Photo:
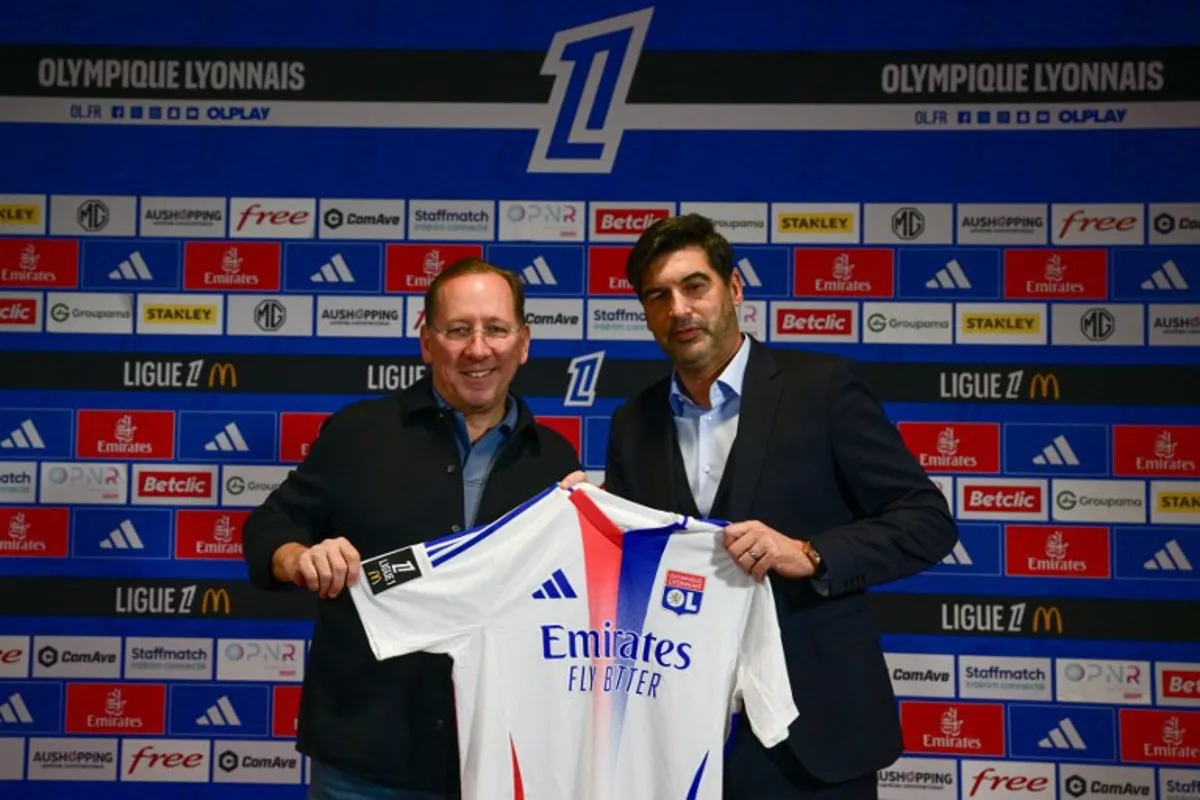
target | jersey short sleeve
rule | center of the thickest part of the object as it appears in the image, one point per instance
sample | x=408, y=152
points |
x=762, y=684
x=431, y=595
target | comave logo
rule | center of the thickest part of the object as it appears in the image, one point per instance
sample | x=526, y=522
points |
x=1063, y=737
x=958, y=556
x=24, y=437
x=1170, y=557
x=1058, y=453
x=13, y=711
x=220, y=713
x=749, y=277
x=538, y=273
x=950, y=276
x=122, y=537
x=132, y=269
x=228, y=440
x=1167, y=277
x=335, y=270
x=556, y=587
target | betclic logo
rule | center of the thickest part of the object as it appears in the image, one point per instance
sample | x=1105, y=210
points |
x=21, y=312
x=1002, y=499
x=175, y=484
x=625, y=222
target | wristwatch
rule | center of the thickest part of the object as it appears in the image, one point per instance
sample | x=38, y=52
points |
x=814, y=557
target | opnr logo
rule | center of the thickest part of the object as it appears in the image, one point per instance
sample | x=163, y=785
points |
x=1043, y=385
x=1046, y=619
x=217, y=599
x=222, y=373
x=584, y=129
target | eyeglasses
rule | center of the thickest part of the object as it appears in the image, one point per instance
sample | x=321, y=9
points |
x=464, y=333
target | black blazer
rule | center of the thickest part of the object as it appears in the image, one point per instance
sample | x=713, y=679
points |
x=815, y=458
x=385, y=473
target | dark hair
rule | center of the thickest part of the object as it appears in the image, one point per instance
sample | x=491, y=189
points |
x=474, y=266
x=673, y=234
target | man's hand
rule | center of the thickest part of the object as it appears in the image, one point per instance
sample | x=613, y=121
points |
x=576, y=477
x=759, y=548
x=324, y=568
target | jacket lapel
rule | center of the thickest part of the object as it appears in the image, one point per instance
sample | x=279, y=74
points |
x=761, y=389
x=661, y=473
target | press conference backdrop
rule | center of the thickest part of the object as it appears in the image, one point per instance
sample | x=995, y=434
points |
x=219, y=219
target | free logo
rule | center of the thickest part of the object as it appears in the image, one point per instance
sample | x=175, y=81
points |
x=272, y=218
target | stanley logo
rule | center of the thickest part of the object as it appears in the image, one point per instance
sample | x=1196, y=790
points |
x=1046, y=619
x=22, y=214
x=216, y=599
x=1178, y=502
x=157, y=314
x=993, y=322
x=815, y=223
x=222, y=374
x=1043, y=385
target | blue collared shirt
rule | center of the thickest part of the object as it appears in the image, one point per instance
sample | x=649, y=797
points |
x=477, y=459
x=706, y=435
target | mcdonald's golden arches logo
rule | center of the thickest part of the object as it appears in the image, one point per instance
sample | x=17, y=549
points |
x=375, y=576
x=1046, y=618
x=1042, y=384
x=222, y=373
x=219, y=598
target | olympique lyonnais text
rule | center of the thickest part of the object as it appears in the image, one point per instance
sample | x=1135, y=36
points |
x=1024, y=78
x=614, y=643
x=126, y=73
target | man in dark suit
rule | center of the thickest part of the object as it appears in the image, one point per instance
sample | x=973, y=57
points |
x=454, y=451
x=825, y=500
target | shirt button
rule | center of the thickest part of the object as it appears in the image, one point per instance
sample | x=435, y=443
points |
x=455, y=528
x=707, y=470
x=439, y=724
x=450, y=468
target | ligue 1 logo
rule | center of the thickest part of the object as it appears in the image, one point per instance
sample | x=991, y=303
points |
x=682, y=592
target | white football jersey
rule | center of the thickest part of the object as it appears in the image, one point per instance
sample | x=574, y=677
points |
x=600, y=647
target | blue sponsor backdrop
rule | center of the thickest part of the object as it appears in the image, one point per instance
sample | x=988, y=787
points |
x=751, y=160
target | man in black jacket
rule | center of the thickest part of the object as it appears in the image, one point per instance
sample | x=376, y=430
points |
x=824, y=498
x=453, y=451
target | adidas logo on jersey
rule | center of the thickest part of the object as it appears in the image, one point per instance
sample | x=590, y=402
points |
x=132, y=269
x=220, y=713
x=950, y=276
x=24, y=437
x=122, y=537
x=13, y=711
x=1170, y=557
x=228, y=440
x=1058, y=453
x=958, y=556
x=749, y=276
x=1063, y=737
x=556, y=587
x=539, y=274
x=1166, y=278
x=336, y=270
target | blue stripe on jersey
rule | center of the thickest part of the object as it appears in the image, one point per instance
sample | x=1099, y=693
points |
x=464, y=541
x=692, y=792
x=641, y=552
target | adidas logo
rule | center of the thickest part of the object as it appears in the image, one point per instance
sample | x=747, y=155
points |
x=1063, y=737
x=950, y=276
x=538, y=273
x=958, y=556
x=220, y=713
x=1168, y=277
x=24, y=437
x=132, y=269
x=14, y=711
x=336, y=270
x=1170, y=557
x=1057, y=453
x=122, y=537
x=228, y=441
x=556, y=587
x=749, y=276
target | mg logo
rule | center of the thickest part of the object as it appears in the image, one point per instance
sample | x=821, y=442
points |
x=585, y=374
x=92, y=215
x=592, y=66
x=1097, y=324
x=908, y=223
x=269, y=315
